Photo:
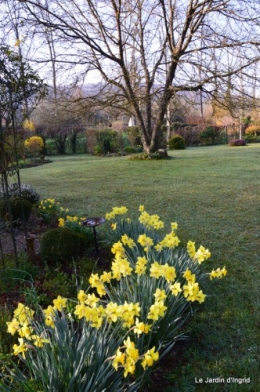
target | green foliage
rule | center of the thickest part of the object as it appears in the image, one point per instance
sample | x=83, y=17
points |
x=98, y=150
x=177, y=142
x=19, y=208
x=210, y=135
x=252, y=139
x=107, y=141
x=62, y=245
x=58, y=284
x=134, y=135
x=130, y=149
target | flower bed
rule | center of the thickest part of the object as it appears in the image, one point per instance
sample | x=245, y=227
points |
x=131, y=316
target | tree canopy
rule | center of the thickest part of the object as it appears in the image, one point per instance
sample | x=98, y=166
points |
x=148, y=51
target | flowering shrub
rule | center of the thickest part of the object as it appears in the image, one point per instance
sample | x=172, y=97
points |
x=34, y=144
x=237, y=142
x=130, y=317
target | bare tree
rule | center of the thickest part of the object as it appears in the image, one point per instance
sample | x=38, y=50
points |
x=104, y=35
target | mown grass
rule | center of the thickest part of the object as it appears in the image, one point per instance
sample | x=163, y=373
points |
x=214, y=195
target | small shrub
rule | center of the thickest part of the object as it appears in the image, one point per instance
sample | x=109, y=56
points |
x=130, y=149
x=97, y=150
x=252, y=139
x=177, y=142
x=62, y=245
x=237, y=142
x=34, y=144
x=20, y=210
x=27, y=192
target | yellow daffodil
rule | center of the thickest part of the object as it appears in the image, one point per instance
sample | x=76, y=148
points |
x=59, y=303
x=149, y=358
x=175, y=288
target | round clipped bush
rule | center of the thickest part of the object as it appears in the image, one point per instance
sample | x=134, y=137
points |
x=177, y=142
x=62, y=245
x=237, y=142
x=20, y=209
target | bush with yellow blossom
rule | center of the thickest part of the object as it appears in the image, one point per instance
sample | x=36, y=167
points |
x=129, y=318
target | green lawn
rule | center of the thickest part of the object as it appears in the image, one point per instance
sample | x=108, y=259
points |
x=214, y=195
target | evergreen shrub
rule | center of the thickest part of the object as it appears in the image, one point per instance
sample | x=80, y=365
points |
x=61, y=245
x=177, y=142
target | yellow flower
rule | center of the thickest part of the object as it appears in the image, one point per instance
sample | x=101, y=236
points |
x=59, y=303
x=113, y=226
x=118, y=248
x=61, y=222
x=82, y=296
x=189, y=276
x=39, y=341
x=170, y=241
x=200, y=297
x=109, y=216
x=158, y=247
x=218, y=273
x=175, y=288
x=156, y=270
x=21, y=348
x=160, y=295
x=149, y=357
x=140, y=268
x=127, y=241
x=157, y=310
x=25, y=331
x=23, y=313
x=106, y=277
x=191, y=249
x=112, y=312
x=202, y=254
x=140, y=327
x=80, y=310
x=174, y=226
x=121, y=267
x=119, y=358
x=92, y=300
x=144, y=240
x=141, y=208
x=169, y=272
x=13, y=326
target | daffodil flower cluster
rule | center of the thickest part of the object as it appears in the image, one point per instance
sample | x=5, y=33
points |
x=146, y=296
x=22, y=325
x=116, y=211
x=218, y=273
x=130, y=356
x=74, y=223
x=49, y=208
